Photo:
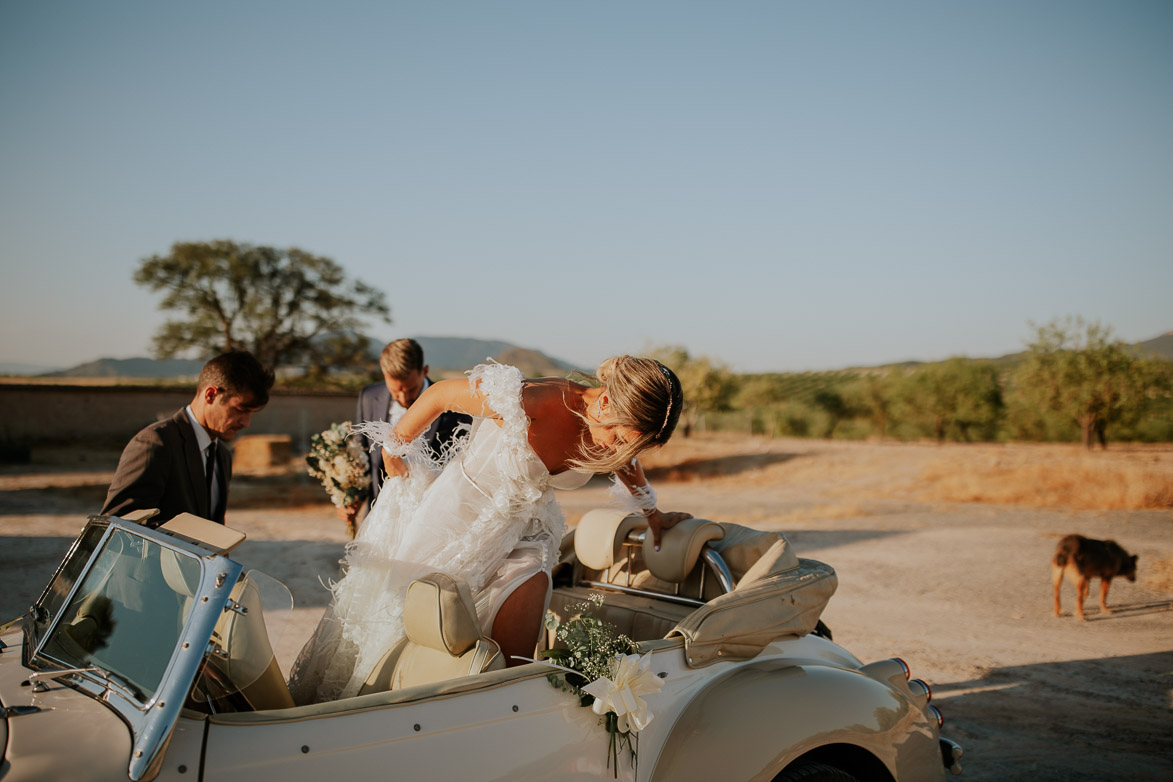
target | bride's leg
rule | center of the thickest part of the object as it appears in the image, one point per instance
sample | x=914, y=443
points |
x=519, y=621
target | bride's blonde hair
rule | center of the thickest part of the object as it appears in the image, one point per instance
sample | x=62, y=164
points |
x=644, y=395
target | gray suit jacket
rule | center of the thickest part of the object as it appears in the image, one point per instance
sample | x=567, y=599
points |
x=161, y=467
x=373, y=402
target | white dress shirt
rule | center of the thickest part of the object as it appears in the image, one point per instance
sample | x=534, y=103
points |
x=395, y=410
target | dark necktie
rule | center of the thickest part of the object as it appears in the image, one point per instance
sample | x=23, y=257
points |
x=210, y=474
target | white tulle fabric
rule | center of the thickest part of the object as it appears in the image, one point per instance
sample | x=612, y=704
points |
x=488, y=516
x=637, y=499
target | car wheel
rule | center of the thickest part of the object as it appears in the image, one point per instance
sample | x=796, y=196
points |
x=810, y=771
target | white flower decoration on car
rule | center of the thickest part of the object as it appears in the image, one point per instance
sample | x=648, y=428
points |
x=633, y=677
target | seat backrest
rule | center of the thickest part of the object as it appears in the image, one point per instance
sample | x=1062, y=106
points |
x=443, y=639
x=600, y=535
x=680, y=548
x=251, y=666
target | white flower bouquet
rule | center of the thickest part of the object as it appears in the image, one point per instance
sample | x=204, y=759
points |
x=603, y=668
x=340, y=463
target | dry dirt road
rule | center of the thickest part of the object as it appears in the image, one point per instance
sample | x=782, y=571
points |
x=960, y=590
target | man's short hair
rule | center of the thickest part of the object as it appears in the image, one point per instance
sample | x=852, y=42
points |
x=400, y=358
x=238, y=372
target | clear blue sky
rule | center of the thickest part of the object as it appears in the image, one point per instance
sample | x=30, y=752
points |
x=777, y=185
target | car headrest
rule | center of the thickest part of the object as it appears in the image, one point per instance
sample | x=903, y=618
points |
x=439, y=613
x=599, y=537
x=181, y=573
x=680, y=547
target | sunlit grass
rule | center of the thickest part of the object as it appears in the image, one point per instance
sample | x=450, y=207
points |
x=1084, y=483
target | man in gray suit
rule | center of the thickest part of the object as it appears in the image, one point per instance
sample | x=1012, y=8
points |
x=180, y=464
x=405, y=377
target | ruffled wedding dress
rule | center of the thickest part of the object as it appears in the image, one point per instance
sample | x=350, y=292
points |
x=487, y=515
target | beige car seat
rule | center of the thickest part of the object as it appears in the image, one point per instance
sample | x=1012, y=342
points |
x=443, y=639
x=251, y=666
x=676, y=562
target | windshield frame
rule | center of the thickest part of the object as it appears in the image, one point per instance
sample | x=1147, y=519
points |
x=152, y=719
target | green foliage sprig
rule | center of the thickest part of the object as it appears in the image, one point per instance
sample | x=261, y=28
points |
x=592, y=646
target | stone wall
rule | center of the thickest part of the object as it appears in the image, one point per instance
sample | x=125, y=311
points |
x=108, y=416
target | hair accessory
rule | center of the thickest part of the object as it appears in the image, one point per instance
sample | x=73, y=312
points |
x=668, y=374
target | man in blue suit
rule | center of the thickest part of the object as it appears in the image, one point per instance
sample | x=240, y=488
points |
x=405, y=376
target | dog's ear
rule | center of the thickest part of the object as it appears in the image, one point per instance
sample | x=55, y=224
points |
x=1135, y=557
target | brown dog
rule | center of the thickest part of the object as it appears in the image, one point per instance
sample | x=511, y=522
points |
x=1083, y=559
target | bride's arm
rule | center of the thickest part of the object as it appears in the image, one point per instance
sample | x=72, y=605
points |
x=632, y=476
x=446, y=396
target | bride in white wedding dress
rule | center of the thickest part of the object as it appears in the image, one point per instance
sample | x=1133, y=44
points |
x=487, y=512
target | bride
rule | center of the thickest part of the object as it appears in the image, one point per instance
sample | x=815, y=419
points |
x=486, y=512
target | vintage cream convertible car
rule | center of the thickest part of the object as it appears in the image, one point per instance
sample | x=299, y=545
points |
x=147, y=657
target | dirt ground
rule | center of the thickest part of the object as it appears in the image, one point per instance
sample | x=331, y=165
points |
x=942, y=555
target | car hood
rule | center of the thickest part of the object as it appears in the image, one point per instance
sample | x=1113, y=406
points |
x=35, y=722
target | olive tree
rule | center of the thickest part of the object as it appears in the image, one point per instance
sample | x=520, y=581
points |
x=286, y=306
x=872, y=396
x=1076, y=369
x=958, y=394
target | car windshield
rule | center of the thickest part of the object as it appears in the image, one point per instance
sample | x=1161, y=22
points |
x=59, y=588
x=128, y=612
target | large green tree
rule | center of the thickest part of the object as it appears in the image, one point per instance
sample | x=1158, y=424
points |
x=873, y=396
x=286, y=306
x=1077, y=369
x=958, y=394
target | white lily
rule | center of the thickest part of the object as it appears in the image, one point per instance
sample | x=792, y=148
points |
x=633, y=677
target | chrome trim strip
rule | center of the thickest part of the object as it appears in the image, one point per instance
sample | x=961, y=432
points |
x=688, y=601
x=709, y=555
x=717, y=563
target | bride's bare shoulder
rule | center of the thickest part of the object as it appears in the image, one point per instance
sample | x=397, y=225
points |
x=542, y=394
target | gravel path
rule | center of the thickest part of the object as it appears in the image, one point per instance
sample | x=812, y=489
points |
x=960, y=591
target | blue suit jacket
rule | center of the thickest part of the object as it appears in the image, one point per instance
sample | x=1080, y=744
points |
x=373, y=402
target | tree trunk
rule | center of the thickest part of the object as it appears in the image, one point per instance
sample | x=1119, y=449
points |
x=1087, y=424
x=1102, y=434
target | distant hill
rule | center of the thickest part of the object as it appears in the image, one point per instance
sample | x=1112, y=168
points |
x=443, y=354
x=20, y=368
x=167, y=368
x=456, y=354
x=1161, y=346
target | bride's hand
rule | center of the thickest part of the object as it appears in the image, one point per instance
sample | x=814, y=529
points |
x=658, y=521
x=394, y=466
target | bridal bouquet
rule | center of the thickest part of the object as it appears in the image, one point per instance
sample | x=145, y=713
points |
x=340, y=463
x=603, y=668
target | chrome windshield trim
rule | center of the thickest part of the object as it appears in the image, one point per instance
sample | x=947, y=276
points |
x=61, y=565
x=219, y=577
x=37, y=651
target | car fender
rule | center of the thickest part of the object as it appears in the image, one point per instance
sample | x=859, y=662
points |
x=763, y=716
